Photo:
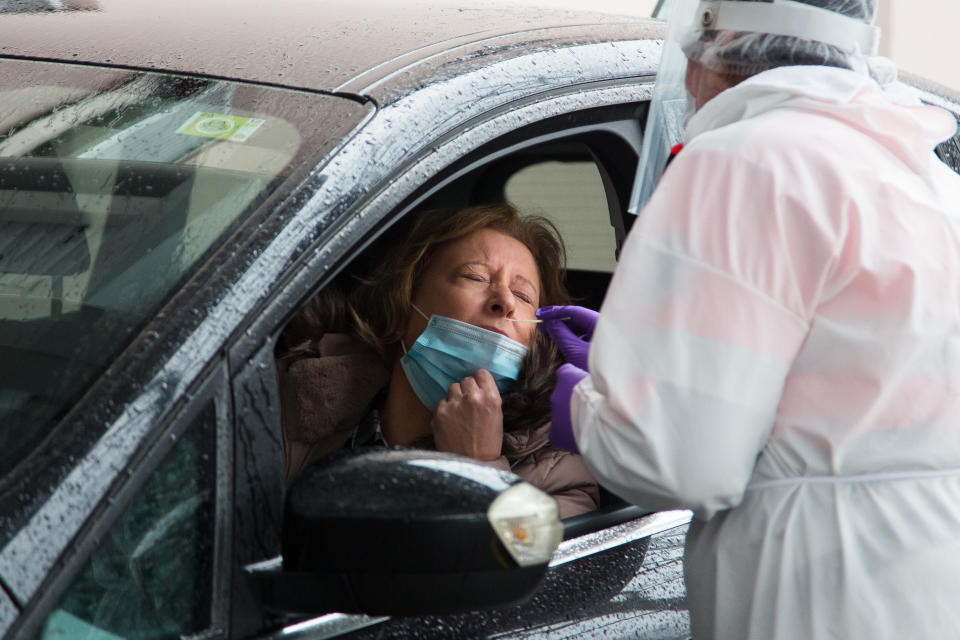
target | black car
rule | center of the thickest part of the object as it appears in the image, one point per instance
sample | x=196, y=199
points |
x=177, y=180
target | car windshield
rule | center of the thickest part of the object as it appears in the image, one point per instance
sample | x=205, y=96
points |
x=113, y=184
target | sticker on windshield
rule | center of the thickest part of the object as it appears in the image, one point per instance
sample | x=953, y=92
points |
x=220, y=126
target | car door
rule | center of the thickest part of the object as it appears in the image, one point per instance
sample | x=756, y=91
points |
x=619, y=568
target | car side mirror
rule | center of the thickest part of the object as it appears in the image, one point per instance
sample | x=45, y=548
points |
x=408, y=532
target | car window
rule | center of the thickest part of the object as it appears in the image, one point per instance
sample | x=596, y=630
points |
x=571, y=194
x=113, y=184
x=558, y=181
x=152, y=575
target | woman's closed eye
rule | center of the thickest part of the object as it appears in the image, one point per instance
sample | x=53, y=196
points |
x=523, y=296
x=476, y=276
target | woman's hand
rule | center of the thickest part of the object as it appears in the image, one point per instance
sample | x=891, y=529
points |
x=469, y=421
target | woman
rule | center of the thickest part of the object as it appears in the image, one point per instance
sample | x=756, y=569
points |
x=355, y=369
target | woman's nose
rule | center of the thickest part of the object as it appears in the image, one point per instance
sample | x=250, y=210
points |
x=501, y=300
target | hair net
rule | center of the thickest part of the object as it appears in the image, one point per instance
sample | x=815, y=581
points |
x=745, y=53
x=712, y=45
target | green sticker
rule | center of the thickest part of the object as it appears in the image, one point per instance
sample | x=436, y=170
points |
x=220, y=126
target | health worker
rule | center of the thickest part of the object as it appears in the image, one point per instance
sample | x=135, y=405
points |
x=779, y=348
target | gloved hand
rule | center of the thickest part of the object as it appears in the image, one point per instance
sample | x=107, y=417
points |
x=561, y=428
x=571, y=327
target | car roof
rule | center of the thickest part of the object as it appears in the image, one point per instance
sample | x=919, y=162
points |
x=308, y=44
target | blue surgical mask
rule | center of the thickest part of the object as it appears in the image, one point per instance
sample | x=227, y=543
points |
x=449, y=350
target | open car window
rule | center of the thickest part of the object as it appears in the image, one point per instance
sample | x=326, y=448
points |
x=561, y=182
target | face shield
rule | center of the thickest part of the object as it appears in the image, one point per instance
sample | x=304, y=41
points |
x=712, y=45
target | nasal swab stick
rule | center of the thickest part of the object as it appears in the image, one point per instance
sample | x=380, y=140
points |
x=537, y=320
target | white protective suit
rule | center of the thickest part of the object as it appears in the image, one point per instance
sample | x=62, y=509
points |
x=779, y=351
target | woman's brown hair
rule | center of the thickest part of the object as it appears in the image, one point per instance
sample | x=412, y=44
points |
x=381, y=303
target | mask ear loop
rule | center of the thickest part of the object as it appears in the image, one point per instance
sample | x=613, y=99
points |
x=425, y=317
x=420, y=311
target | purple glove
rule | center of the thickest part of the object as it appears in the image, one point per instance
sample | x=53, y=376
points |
x=571, y=328
x=561, y=429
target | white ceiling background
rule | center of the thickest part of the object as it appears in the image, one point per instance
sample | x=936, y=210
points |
x=919, y=35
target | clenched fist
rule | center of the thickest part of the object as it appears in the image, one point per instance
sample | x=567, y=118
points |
x=469, y=421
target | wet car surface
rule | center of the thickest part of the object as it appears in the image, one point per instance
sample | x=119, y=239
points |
x=628, y=591
x=170, y=200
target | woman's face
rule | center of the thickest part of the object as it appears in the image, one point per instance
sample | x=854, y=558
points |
x=485, y=278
